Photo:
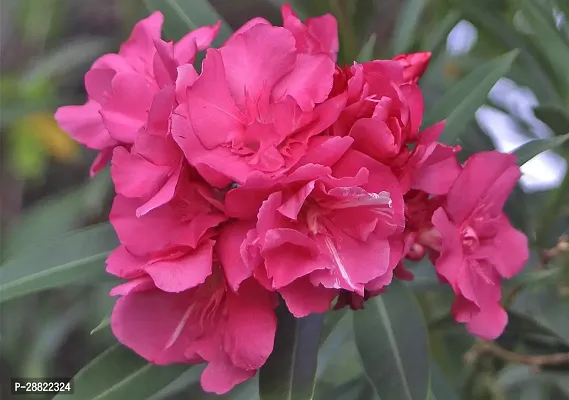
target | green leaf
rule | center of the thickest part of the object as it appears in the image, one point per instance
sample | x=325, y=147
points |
x=183, y=16
x=392, y=340
x=118, y=373
x=59, y=62
x=489, y=21
x=290, y=371
x=105, y=323
x=366, y=52
x=532, y=148
x=440, y=389
x=77, y=257
x=55, y=216
x=554, y=116
x=406, y=25
x=436, y=40
x=548, y=38
x=460, y=103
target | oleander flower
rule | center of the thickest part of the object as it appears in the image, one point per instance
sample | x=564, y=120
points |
x=383, y=112
x=321, y=229
x=478, y=246
x=182, y=222
x=121, y=87
x=232, y=332
x=257, y=102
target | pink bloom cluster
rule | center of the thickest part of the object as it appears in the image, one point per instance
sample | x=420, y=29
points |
x=277, y=173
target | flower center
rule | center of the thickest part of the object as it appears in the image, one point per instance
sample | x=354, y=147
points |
x=469, y=239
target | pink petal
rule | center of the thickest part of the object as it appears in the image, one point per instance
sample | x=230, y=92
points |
x=84, y=124
x=221, y=376
x=325, y=30
x=414, y=99
x=125, y=265
x=414, y=65
x=164, y=65
x=438, y=172
x=256, y=59
x=488, y=323
x=98, y=83
x=134, y=176
x=140, y=284
x=289, y=255
x=374, y=138
x=451, y=259
x=199, y=39
x=352, y=263
x=164, y=194
x=487, y=178
x=246, y=26
x=510, y=249
x=211, y=110
x=309, y=82
x=251, y=315
x=101, y=161
x=139, y=48
x=187, y=75
x=325, y=150
x=292, y=206
x=188, y=271
x=126, y=110
x=228, y=249
x=303, y=298
x=154, y=323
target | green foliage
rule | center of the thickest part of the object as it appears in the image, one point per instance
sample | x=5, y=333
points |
x=290, y=371
x=460, y=103
x=54, y=253
x=392, y=341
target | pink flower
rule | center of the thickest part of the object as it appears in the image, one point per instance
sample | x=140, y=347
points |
x=318, y=35
x=414, y=65
x=151, y=168
x=478, y=245
x=257, y=102
x=431, y=166
x=233, y=332
x=184, y=222
x=383, y=111
x=321, y=229
x=121, y=87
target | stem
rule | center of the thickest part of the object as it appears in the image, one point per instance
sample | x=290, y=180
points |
x=526, y=359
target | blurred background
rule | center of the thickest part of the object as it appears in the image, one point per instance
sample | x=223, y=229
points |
x=54, y=329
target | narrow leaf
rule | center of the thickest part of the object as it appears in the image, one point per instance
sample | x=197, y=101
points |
x=440, y=389
x=392, y=341
x=57, y=215
x=366, y=52
x=532, y=148
x=547, y=38
x=61, y=61
x=460, y=103
x=407, y=23
x=118, y=373
x=290, y=371
x=537, y=68
x=436, y=40
x=77, y=257
x=183, y=16
x=105, y=323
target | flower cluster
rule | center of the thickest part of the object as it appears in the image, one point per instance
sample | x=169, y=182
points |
x=275, y=173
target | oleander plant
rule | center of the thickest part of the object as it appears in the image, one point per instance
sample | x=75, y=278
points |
x=302, y=201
